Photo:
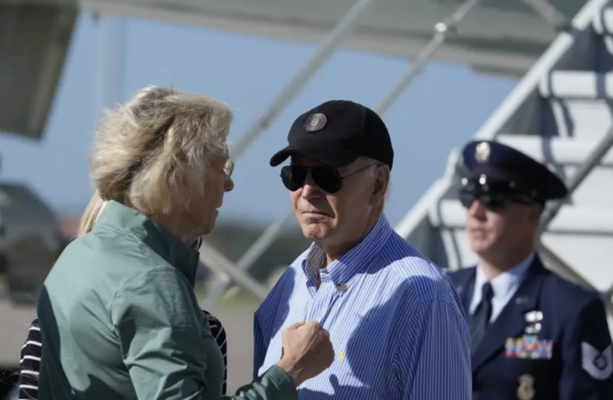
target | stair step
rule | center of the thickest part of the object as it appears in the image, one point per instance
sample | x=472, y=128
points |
x=570, y=220
x=577, y=85
x=604, y=24
x=555, y=150
x=593, y=190
x=577, y=118
x=580, y=104
x=590, y=256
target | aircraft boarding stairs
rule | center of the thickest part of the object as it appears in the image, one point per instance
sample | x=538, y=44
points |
x=561, y=113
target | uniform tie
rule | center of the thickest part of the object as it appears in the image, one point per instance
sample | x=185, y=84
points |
x=481, y=318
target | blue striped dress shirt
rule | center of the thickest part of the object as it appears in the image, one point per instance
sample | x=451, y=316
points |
x=396, y=323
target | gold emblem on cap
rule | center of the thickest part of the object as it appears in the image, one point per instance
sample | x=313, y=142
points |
x=525, y=391
x=482, y=152
x=315, y=122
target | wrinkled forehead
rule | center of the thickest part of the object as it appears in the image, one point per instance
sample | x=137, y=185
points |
x=301, y=160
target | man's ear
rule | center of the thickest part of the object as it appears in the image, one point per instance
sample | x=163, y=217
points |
x=381, y=184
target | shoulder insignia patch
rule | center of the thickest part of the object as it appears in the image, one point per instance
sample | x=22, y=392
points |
x=598, y=364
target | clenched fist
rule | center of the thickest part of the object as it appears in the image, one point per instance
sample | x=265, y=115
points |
x=307, y=351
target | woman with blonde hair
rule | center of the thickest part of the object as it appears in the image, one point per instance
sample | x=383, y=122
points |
x=29, y=365
x=118, y=315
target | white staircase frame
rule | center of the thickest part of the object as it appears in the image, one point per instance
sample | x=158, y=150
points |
x=493, y=126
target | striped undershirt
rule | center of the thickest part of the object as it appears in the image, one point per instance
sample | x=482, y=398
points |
x=29, y=366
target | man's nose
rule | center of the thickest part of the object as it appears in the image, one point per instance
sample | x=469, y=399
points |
x=476, y=209
x=310, y=188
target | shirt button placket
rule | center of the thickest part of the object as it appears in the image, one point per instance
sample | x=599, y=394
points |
x=319, y=304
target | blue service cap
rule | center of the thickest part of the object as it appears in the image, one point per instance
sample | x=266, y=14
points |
x=494, y=163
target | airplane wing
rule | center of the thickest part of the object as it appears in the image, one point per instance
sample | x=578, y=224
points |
x=34, y=40
x=497, y=36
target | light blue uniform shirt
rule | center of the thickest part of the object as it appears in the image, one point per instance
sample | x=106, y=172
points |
x=504, y=287
x=396, y=323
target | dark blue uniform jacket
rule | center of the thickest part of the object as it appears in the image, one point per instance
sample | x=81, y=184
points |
x=550, y=342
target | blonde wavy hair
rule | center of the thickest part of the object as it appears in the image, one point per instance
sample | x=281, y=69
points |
x=90, y=215
x=147, y=153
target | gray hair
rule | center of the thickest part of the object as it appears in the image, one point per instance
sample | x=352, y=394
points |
x=370, y=174
x=370, y=164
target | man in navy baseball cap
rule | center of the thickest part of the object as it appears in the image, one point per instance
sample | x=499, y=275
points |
x=360, y=278
x=334, y=134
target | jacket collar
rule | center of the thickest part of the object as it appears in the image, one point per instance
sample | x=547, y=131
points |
x=177, y=253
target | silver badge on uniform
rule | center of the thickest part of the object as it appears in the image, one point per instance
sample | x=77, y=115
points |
x=482, y=152
x=533, y=316
x=533, y=321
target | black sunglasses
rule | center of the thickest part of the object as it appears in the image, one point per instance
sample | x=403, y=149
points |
x=328, y=179
x=492, y=201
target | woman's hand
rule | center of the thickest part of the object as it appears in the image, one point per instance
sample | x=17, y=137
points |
x=307, y=351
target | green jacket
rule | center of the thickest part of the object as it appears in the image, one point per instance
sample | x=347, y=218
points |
x=119, y=320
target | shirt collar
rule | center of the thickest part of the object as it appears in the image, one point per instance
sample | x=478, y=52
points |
x=346, y=267
x=507, y=280
x=167, y=245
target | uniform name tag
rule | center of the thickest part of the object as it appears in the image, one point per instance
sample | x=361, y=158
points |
x=529, y=347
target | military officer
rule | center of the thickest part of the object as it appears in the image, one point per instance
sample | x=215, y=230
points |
x=535, y=336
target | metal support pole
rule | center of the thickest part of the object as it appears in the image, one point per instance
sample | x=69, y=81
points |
x=111, y=52
x=443, y=30
x=332, y=41
x=251, y=256
x=210, y=255
x=548, y=12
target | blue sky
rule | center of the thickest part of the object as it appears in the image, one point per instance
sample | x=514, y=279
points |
x=442, y=109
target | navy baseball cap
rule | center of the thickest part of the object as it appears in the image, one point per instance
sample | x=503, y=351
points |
x=500, y=167
x=336, y=133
